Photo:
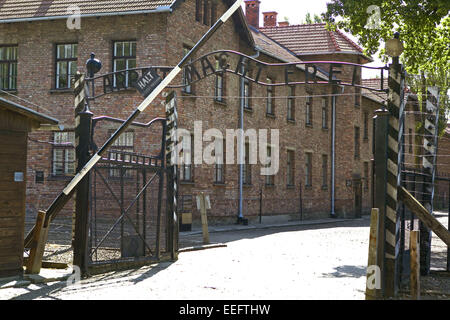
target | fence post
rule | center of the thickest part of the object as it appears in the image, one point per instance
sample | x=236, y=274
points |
x=415, y=264
x=171, y=152
x=83, y=127
x=380, y=159
x=429, y=165
x=392, y=217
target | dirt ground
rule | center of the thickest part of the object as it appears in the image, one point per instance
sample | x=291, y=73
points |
x=324, y=261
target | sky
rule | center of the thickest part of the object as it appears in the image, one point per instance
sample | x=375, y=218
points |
x=296, y=10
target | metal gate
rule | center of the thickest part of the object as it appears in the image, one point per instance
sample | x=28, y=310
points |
x=127, y=214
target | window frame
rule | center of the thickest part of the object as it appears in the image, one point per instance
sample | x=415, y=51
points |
x=247, y=167
x=188, y=87
x=219, y=169
x=269, y=179
x=290, y=168
x=308, y=169
x=291, y=103
x=116, y=57
x=308, y=111
x=324, y=171
x=9, y=63
x=270, y=97
x=324, y=113
x=69, y=76
x=65, y=146
x=116, y=146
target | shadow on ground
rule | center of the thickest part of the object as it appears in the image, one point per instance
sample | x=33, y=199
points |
x=111, y=279
x=347, y=272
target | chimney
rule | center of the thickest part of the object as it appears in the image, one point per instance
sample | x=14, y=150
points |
x=252, y=12
x=270, y=19
x=283, y=24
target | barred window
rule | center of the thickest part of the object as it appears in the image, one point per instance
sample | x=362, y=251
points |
x=247, y=167
x=270, y=179
x=324, y=171
x=186, y=76
x=63, y=153
x=124, y=58
x=270, y=109
x=290, y=167
x=366, y=126
x=187, y=155
x=219, y=87
x=66, y=65
x=8, y=67
x=366, y=176
x=219, y=167
x=308, y=169
x=291, y=104
x=308, y=111
x=324, y=113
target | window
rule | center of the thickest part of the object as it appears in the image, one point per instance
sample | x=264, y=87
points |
x=324, y=171
x=290, y=168
x=219, y=86
x=308, y=111
x=186, y=172
x=246, y=94
x=366, y=176
x=357, y=143
x=291, y=104
x=124, y=58
x=124, y=146
x=206, y=20
x=366, y=126
x=63, y=153
x=324, y=113
x=66, y=65
x=247, y=167
x=8, y=68
x=186, y=76
x=308, y=169
x=219, y=167
x=198, y=10
x=270, y=98
x=270, y=179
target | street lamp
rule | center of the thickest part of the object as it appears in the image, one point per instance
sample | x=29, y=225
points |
x=394, y=47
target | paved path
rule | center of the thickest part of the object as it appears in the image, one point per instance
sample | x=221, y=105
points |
x=325, y=261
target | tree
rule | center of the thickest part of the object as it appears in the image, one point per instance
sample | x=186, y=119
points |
x=310, y=20
x=424, y=27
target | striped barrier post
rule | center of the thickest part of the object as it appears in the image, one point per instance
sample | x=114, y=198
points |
x=392, y=219
x=79, y=102
x=171, y=164
x=429, y=165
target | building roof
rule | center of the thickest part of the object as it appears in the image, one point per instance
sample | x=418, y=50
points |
x=19, y=10
x=272, y=48
x=374, y=83
x=311, y=39
x=29, y=113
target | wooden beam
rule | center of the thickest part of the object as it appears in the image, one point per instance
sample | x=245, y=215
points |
x=34, y=263
x=424, y=215
x=415, y=264
x=371, y=293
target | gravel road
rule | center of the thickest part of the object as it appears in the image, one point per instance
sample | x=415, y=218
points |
x=326, y=261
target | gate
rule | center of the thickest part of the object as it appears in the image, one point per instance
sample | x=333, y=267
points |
x=127, y=216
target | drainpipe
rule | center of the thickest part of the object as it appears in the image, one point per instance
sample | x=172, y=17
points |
x=333, y=150
x=242, y=143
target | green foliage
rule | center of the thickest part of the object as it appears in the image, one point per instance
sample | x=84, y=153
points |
x=424, y=27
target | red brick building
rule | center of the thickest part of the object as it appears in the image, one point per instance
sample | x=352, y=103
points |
x=41, y=54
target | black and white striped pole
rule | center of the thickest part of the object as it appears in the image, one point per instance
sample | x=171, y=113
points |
x=171, y=165
x=396, y=82
x=66, y=194
x=429, y=165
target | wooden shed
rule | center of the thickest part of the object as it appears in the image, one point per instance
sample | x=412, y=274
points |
x=16, y=122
